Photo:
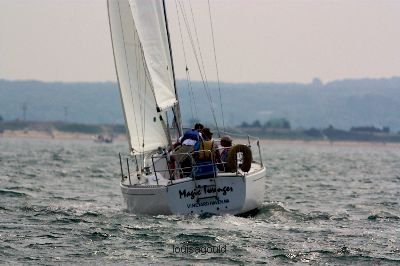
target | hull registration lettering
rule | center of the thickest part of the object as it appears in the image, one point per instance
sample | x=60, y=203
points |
x=207, y=203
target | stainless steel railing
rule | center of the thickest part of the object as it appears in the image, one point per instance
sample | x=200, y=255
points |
x=164, y=163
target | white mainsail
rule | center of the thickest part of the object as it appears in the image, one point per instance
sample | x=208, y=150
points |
x=146, y=129
x=150, y=23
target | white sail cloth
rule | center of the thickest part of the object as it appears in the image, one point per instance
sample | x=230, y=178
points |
x=146, y=130
x=150, y=23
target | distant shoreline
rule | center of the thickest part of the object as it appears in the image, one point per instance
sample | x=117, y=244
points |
x=267, y=142
x=342, y=103
x=58, y=135
x=65, y=130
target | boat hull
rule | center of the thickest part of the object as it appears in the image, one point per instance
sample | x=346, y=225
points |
x=225, y=194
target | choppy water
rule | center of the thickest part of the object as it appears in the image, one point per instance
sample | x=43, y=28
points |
x=60, y=203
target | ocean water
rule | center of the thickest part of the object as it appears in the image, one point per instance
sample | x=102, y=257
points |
x=60, y=203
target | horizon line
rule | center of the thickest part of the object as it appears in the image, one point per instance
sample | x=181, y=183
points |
x=315, y=79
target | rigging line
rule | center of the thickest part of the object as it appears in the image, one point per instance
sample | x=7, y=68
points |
x=192, y=44
x=198, y=43
x=200, y=71
x=185, y=58
x=198, y=65
x=216, y=66
x=138, y=55
x=176, y=109
x=191, y=97
x=147, y=77
x=201, y=56
x=146, y=80
x=188, y=73
x=149, y=82
x=142, y=97
x=191, y=41
x=205, y=82
x=127, y=67
x=144, y=112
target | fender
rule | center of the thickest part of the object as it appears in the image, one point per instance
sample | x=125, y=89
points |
x=232, y=157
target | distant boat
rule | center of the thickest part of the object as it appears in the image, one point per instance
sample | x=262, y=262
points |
x=145, y=71
x=103, y=138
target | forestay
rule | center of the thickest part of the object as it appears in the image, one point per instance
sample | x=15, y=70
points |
x=145, y=126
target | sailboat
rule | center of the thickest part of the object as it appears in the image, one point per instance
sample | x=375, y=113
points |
x=146, y=78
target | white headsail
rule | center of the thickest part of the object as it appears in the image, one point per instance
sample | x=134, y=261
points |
x=145, y=126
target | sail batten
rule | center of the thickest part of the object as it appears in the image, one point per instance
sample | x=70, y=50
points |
x=144, y=123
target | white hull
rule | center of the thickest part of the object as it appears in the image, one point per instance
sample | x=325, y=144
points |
x=228, y=193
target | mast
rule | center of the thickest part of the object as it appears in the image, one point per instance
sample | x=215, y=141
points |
x=176, y=109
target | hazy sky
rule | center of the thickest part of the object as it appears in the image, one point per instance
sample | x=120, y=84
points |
x=256, y=40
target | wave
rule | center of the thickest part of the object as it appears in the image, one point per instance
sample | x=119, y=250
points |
x=276, y=210
x=383, y=216
x=68, y=215
x=13, y=193
x=201, y=236
x=33, y=189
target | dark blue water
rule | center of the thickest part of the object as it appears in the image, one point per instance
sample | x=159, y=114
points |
x=60, y=203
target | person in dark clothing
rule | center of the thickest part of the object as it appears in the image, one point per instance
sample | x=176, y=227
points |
x=184, y=147
x=226, y=145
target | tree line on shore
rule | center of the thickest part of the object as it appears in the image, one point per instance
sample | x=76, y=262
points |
x=280, y=128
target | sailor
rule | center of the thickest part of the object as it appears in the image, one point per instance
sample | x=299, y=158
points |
x=185, y=146
x=206, y=147
x=191, y=136
x=205, y=156
x=226, y=145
